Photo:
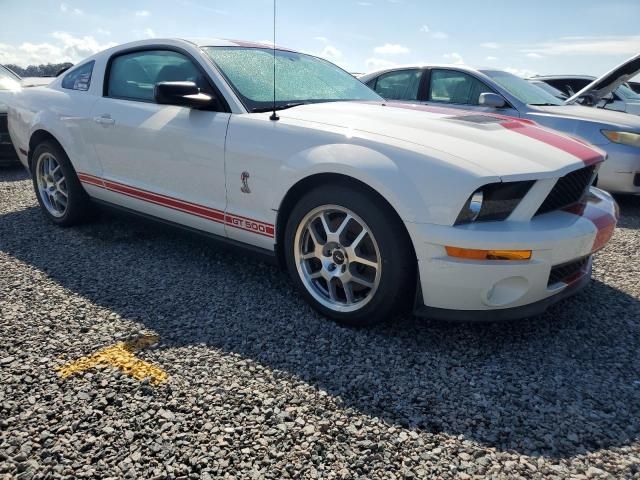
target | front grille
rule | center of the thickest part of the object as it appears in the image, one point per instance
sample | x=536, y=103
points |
x=568, y=190
x=567, y=272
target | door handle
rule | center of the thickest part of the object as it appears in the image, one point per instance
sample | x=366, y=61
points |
x=104, y=119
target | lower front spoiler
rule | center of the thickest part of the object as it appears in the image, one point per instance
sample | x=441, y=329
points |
x=504, y=314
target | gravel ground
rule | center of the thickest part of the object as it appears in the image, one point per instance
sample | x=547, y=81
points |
x=262, y=387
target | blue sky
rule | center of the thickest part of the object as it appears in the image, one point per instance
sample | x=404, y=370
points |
x=545, y=37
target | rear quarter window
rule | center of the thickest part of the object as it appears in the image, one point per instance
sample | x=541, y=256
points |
x=79, y=78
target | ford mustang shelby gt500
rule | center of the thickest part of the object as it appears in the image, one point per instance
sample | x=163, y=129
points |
x=373, y=208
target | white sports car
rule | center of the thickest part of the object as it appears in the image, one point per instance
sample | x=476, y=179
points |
x=373, y=208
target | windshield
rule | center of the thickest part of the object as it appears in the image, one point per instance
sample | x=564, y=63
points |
x=521, y=89
x=548, y=88
x=8, y=80
x=299, y=78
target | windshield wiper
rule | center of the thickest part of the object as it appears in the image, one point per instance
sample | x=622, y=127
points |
x=278, y=107
x=544, y=104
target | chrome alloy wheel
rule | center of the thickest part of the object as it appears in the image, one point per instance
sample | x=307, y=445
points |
x=337, y=258
x=52, y=185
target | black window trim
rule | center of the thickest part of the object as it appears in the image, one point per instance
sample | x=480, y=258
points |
x=471, y=74
x=222, y=101
x=73, y=70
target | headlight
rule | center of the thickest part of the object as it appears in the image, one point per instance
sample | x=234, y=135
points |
x=493, y=202
x=625, y=138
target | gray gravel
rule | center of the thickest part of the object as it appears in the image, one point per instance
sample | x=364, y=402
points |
x=262, y=387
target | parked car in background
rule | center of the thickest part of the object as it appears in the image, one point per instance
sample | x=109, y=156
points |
x=374, y=208
x=622, y=99
x=610, y=91
x=496, y=91
x=8, y=81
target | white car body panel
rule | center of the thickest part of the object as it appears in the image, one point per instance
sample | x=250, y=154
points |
x=190, y=167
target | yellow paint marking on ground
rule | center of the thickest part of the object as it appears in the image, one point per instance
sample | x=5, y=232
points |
x=120, y=356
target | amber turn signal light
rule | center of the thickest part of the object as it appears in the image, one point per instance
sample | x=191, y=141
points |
x=473, y=254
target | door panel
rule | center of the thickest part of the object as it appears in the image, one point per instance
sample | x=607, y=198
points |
x=163, y=160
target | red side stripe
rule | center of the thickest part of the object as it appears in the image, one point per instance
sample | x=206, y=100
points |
x=236, y=221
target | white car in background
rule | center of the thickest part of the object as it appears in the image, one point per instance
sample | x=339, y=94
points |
x=459, y=87
x=375, y=209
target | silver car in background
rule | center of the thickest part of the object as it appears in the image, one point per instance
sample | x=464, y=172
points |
x=496, y=91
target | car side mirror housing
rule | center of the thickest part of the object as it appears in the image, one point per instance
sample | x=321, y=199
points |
x=493, y=100
x=182, y=94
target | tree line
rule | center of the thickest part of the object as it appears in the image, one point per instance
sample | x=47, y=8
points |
x=48, y=70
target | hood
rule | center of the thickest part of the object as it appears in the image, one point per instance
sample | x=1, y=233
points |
x=487, y=144
x=608, y=118
x=606, y=84
x=36, y=81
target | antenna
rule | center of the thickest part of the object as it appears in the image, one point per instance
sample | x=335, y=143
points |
x=274, y=116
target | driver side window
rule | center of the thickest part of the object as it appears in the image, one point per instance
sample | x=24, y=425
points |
x=451, y=86
x=133, y=76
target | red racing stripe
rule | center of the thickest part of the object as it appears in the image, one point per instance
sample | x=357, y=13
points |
x=588, y=155
x=236, y=221
x=605, y=221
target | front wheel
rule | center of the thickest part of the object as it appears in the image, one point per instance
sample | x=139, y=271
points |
x=349, y=255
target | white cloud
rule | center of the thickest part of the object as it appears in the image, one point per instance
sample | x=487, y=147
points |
x=142, y=13
x=102, y=31
x=491, y=45
x=533, y=55
x=425, y=28
x=492, y=58
x=64, y=47
x=454, y=58
x=149, y=33
x=391, y=49
x=378, y=64
x=604, y=45
x=321, y=39
x=331, y=53
x=520, y=72
x=64, y=8
x=439, y=35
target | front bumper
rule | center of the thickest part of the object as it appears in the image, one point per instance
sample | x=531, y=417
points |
x=453, y=288
x=621, y=171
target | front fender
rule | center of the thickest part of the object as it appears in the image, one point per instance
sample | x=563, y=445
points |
x=369, y=166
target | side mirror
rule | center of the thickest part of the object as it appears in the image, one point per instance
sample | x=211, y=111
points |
x=183, y=94
x=491, y=100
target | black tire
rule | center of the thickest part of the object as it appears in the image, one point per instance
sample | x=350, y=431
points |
x=79, y=206
x=395, y=291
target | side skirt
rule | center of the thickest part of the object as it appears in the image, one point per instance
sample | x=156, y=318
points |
x=267, y=256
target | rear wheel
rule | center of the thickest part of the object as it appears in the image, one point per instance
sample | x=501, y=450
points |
x=350, y=256
x=59, y=192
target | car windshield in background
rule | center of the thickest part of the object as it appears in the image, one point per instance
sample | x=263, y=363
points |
x=300, y=78
x=549, y=89
x=8, y=80
x=625, y=92
x=521, y=89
